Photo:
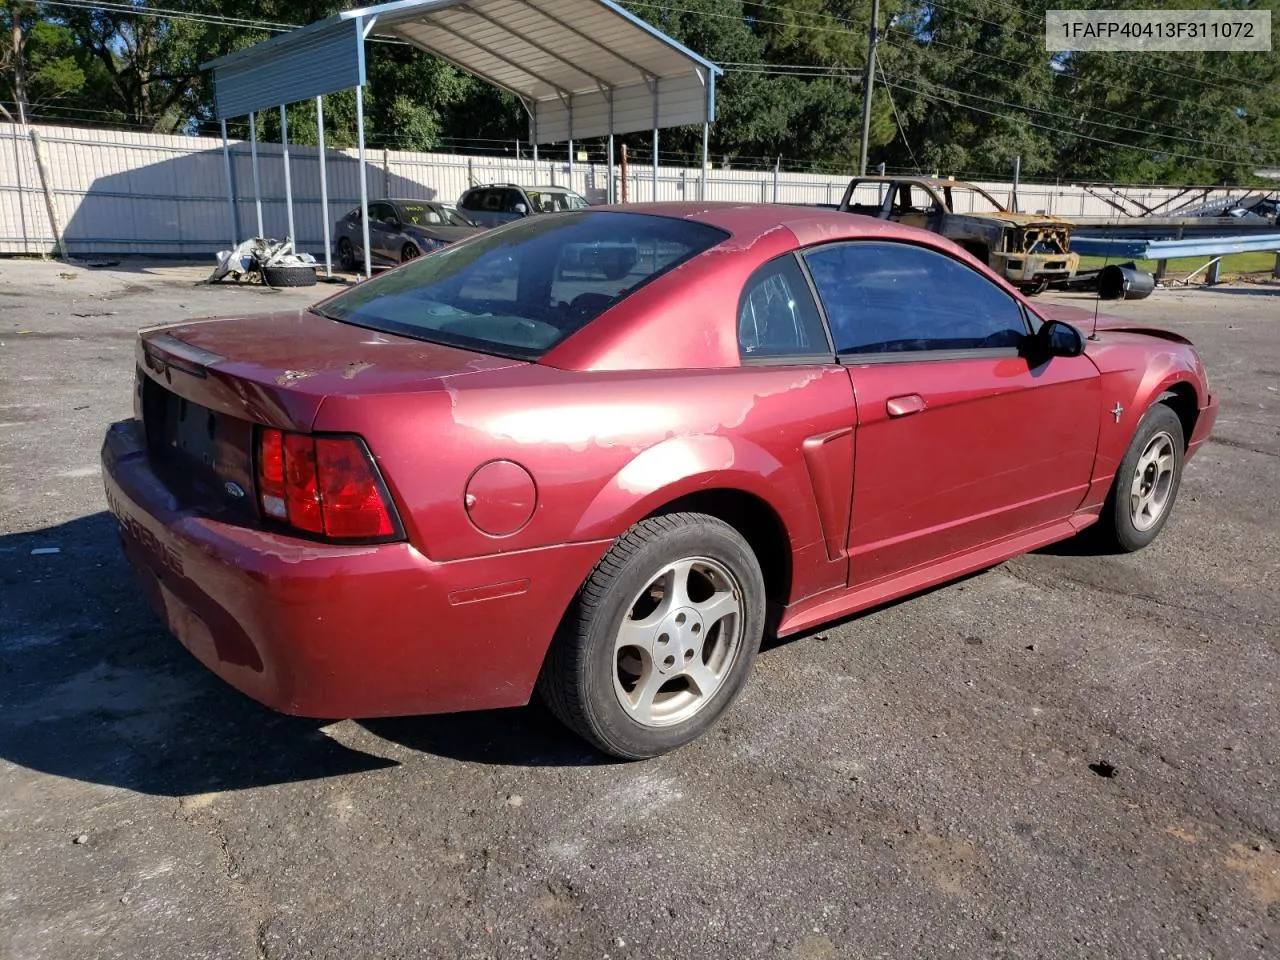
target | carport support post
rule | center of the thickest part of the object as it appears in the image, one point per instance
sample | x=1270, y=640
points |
x=288, y=182
x=257, y=183
x=364, y=186
x=655, y=164
x=231, y=190
x=612, y=197
x=324, y=190
x=706, y=149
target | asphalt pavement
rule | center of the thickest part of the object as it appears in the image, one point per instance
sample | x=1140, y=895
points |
x=1066, y=756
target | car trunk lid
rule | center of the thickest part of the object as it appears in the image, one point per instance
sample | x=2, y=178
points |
x=204, y=387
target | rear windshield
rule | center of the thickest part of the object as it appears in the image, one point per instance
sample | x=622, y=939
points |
x=519, y=290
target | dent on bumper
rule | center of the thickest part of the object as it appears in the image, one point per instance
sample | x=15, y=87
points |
x=339, y=631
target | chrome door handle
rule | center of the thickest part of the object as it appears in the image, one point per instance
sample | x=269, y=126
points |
x=905, y=406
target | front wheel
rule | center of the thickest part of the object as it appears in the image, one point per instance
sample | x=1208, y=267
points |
x=408, y=252
x=1146, y=483
x=661, y=638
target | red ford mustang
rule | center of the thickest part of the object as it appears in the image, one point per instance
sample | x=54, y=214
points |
x=500, y=467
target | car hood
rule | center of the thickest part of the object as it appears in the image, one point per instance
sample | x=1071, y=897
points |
x=1022, y=219
x=1083, y=320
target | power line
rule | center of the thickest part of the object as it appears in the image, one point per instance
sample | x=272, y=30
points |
x=1100, y=123
x=901, y=129
x=968, y=51
x=969, y=15
x=1070, y=133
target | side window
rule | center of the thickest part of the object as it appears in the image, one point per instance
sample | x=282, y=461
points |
x=470, y=200
x=891, y=297
x=380, y=212
x=777, y=316
x=509, y=200
x=492, y=200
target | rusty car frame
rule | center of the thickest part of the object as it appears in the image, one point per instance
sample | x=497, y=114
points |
x=1029, y=250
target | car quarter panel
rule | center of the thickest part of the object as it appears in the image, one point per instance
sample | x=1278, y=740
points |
x=1136, y=368
x=606, y=449
x=294, y=623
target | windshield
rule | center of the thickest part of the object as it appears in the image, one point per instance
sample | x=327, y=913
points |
x=553, y=201
x=519, y=290
x=429, y=215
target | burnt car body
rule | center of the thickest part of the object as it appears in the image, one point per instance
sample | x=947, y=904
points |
x=400, y=230
x=1028, y=250
x=479, y=473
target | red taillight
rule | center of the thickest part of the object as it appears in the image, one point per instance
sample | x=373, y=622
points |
x=271, y=475
x=324, y=485
x=349, y=493
x=301, y=489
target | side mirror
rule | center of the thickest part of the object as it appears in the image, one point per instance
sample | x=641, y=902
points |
x=1058, y=339
x=520, y=209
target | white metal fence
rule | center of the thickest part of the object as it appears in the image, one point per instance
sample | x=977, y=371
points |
x=135, y=193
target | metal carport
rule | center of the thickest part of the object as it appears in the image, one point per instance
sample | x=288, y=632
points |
x=582, y=68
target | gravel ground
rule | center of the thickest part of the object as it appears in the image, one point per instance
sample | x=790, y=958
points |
x=1066, y=756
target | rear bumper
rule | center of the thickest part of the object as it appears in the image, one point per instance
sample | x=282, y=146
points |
x=1205, y=420
x=339, y=631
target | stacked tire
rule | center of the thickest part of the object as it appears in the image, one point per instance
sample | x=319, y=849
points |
x=289, y=275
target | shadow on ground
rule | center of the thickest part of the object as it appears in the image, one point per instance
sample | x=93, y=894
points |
x=93, y=688
x=1269, y=289
x=525, y=736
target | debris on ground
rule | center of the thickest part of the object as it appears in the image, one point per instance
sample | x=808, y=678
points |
x=273, y=262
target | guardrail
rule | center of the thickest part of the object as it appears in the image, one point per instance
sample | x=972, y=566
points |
x=1162, y=251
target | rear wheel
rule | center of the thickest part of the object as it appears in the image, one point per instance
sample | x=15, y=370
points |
x=346, y=254
x=660, y=639
x=1146, y=483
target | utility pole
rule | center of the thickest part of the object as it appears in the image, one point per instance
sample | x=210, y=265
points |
x=867, y=83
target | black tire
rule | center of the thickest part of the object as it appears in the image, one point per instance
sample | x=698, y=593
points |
x=293, y=275
x=578, y=678
x=346, y=255
x=1116, y=528
x=408, y=252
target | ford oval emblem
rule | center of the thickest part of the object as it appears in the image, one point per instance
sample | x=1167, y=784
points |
x=234, y=489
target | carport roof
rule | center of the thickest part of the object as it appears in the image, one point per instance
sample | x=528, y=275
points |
x=560, y=57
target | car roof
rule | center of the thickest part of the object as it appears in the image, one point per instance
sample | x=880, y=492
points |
x=544, y=187
x=428, y=203
x=747, y=221
x=928, y=181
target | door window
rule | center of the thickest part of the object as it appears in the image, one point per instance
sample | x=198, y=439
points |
x=885, y=298
x=777, y=316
